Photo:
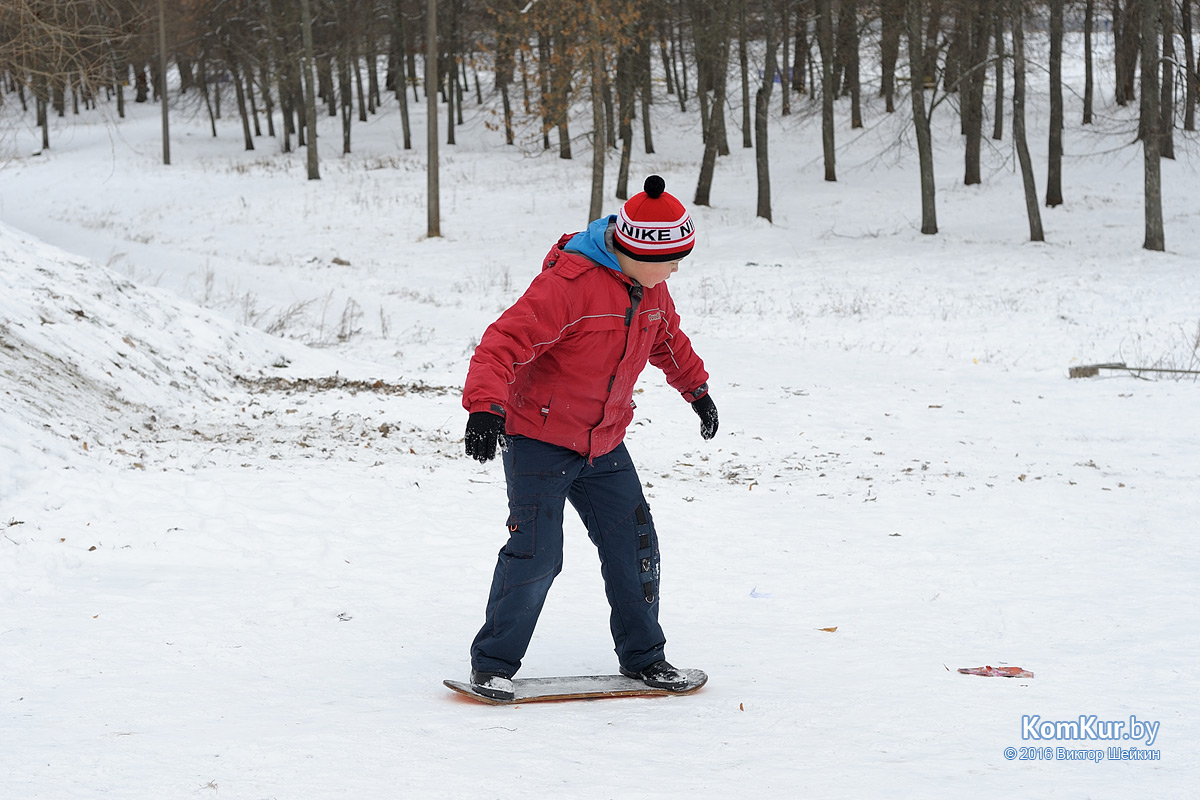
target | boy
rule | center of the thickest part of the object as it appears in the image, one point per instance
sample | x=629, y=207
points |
x=553, y=379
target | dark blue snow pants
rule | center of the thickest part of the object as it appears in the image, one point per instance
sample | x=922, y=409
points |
x=608, y=496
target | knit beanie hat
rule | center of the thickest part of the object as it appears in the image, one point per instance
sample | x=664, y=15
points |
x=654, y=226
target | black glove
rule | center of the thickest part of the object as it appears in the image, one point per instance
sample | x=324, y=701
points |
x=484, y=430
x=706, y=409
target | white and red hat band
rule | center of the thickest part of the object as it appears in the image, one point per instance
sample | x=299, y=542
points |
x=654, y=226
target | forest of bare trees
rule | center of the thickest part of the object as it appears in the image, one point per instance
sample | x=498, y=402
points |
x=563, y=72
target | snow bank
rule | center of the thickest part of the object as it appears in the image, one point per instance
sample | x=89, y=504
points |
x=85, y=352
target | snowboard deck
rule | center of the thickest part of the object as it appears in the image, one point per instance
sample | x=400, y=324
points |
x=578, y=687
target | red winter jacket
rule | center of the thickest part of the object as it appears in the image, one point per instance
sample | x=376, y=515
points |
x=562, y=362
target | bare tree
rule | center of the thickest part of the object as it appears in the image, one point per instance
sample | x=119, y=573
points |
x=645, y=85
x=713, y=23
x=625, y=103
x=1032, y=210
x=744, y=64
x=977, y=36
x=1167, y=101
x=1151, y=120
x=507, y=42
x=825, y=43
x=1126, y=45
x=432, y=193
x=162, y=54
x=67, y=43
x=1054, y=157
x=785, y=81
x=800, y=55
x=762, y=109
x=599, y=148
x=917, y=71
x=848, y=47
x=1089, y=92
x=891, y=23
x=997, y=22
x=401, y=74
x=310, y=92
x=1191, y=79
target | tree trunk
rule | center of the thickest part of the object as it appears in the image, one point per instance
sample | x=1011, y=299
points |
x=345, y=101
x=212, y=115
x=450, y=77
x=1150, y=122
x=599, y=147
x=359, y=93
x=762, y=110
x=977, y=36
x=956, y=49
x=1089, y=23
x=933, y=30
x=891, y=21
x=162, y=58
x=268, y=101
x=785, y=83
x=236, y=76
x=825, y=42
x=141, y=84
x=249, y=84
x=744, y=65
x=286, y=104
x=625, y=99
x=1032, y=210
x=310, y=92
x=610, y=115
x=432, y=196
x=681, y=77
x=461, y=85
x=646, y=88
x=851, y=43
x=1054, y=157
x=504, y=75
x=119, y=68
x=373, y=98
x=560, y=79
x=916, y=71
x=800, y=55
x=1191, y=79
x=41, y=96
x=843, y=32
x=998, y=109
x=662, y=51
x=1126, y=39
x=325, y=84
x=718, y=65
x=400, y=44
x=1168, y=79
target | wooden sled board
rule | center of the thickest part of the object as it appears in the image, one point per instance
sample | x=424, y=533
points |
x=578, y=687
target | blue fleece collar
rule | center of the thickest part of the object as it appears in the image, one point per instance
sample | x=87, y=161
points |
x=596, y=242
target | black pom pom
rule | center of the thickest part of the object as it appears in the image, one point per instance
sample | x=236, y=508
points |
x=654, y=187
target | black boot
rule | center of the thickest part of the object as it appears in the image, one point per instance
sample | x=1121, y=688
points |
x=659, y=675
x=493, y=685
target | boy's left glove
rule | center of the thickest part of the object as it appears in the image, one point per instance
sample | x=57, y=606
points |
x=706, y=409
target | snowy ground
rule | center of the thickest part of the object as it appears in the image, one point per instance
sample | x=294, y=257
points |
x=221, y=580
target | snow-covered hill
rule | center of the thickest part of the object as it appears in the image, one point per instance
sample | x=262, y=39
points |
x=85, y=353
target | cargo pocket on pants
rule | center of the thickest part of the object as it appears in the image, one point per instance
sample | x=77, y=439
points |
x=646, y=554
x=522, y=532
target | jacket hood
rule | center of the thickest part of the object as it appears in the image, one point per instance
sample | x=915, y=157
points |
x=595, y=242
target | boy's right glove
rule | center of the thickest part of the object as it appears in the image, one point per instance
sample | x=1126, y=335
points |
x=484, y=430
x=707, y=411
